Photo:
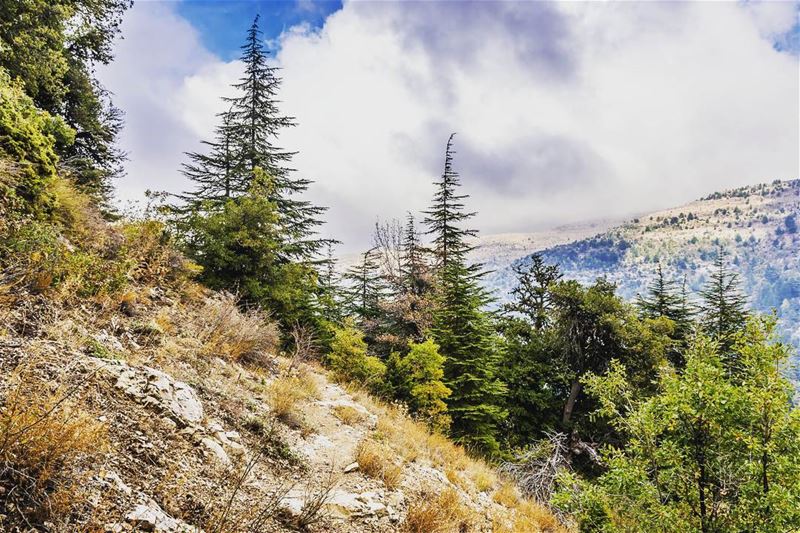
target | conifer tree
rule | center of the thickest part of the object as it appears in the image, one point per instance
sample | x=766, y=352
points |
x=414, y=270
x=460, y=328
x=723, y=306
x=366, y=288
x=531, y=296
x=254, y=125
x=663, y=300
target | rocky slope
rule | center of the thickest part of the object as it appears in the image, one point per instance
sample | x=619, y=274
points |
x=173, y=415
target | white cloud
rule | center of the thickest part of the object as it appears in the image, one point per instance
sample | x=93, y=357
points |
x=564, y=111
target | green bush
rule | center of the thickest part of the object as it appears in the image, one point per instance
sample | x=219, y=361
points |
x=348, y=359
x=422, y=370
x=28, y=137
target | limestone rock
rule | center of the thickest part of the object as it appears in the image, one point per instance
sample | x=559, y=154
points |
x=148, y=516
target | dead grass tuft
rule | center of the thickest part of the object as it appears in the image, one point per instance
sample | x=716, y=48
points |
x=442, y=513
x=242, y=336
x=377, y=461
x=348, y=415
x=507, y=495
x=44, y=437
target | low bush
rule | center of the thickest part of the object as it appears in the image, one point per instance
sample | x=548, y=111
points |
x=349, y=361
x=442, y=513
x=378, y=461
x=44, y=437
x=242, y=336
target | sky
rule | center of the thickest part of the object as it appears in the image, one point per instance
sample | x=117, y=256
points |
x=564, y=112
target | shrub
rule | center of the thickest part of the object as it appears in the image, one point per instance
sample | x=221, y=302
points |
x=442, y=513
x=242, y=336
x=348, y=359
x=378, y=461
x=347, y=414
x=283, y=395
x=423, y=371
x=43, y=438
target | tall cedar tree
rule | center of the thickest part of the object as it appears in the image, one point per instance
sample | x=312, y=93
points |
x=723, y=312
x=52, y=47
x=246, y=140
x=460, y=328
x=254, y=125
x=665, y=300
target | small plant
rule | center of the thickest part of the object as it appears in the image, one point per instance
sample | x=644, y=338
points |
x=243, y=336
x=377, y=461
x=317, y=495
x=283, y=395
x=348, y=414
x=442, y=513
x=43, y=437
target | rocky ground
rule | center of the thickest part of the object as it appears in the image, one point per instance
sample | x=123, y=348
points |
x=189, y=439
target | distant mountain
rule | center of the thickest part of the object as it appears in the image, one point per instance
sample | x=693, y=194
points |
x=756, y=225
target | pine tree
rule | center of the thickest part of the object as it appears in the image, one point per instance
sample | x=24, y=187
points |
x=531, y=296
x=723, y=311
x=366, y=288
x=414, y=271
x=460, y=328
x=254, y=125
x=663, y=300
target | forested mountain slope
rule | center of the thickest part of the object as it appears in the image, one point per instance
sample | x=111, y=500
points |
x=756, y=226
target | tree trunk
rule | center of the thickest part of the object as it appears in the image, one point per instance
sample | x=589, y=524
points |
x=574, y=390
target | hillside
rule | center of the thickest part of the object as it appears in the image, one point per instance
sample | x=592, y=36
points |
x=155, y=404
x=757, y=226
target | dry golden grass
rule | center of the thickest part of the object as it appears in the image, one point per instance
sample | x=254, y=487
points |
x=377, y=461
x=43, y=438
x=442, y=513
x=283, y=395
x=482, y=476
x=242, y=336
x=348, y=415
x=528, y=517
x=507, y=495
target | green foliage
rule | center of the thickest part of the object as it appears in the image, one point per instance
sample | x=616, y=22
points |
x=460, y=327
x=51, y=47
x=349, y=360
x=707, y=453
x=422, y=372
x=723, y=311
x=28, y=138
x=239, y=246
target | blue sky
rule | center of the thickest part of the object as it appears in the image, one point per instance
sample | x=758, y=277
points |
x=222, y=23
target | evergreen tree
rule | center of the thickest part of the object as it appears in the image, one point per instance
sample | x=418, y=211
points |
x=531, y=296
x=422, y=374
x=365, y=288
x=460, y=328
x=663, y=300
x=723, y=311
x=414, y=270
x=254, y=123
x=52, y=48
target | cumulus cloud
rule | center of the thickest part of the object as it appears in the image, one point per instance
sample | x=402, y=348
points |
x=565, y=111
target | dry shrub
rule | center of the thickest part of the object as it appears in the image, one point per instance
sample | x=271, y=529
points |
x=378, y=461
x=307, y=384
x=44, y=437
x=442, y=513
x=242, y=336
x=349, y=415
x=507, y=495
x=283, y=395
x=482, y=476
x=528, y=517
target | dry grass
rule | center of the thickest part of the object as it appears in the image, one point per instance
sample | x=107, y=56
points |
x=242, y=336
x=442, y=513
x=528, y=517
x=507, y=495
x=377, y=461
x=348, y=415
x=44, y=437
x=284, y=394
x=482, y=476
